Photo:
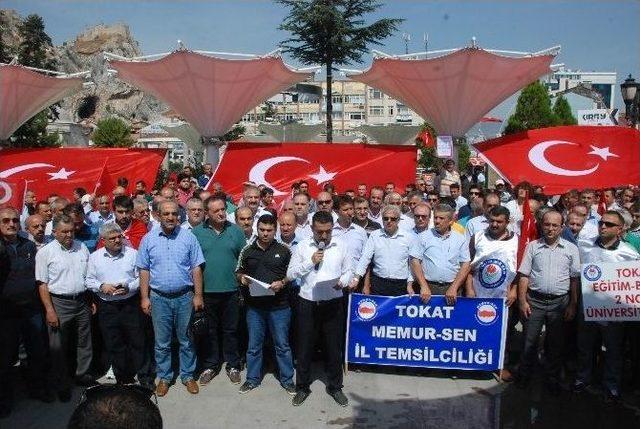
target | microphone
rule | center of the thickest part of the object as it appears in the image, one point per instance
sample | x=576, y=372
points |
x=321, y=247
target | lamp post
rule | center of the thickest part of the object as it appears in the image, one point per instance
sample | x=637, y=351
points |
x=631, y=98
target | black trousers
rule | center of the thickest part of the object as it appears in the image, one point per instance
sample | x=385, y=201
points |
x=26, y=322
x=327, y=319
x=122, y=329
x=388, y=287
x=223, y=311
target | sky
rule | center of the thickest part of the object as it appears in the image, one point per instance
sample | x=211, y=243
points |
x=594, y=35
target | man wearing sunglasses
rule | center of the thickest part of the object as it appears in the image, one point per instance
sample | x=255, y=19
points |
x=465, y=212
x=20, y=313
x=324, y=203
x=388, y=249
x=608, y=247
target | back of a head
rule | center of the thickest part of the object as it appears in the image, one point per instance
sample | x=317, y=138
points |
x=116, y=407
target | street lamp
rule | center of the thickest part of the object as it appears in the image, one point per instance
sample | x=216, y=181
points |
x=631, y=98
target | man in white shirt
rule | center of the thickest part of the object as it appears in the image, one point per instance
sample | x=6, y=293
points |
x=454, y=190
x=355, y=236
x=113, y=276
x=301, y=212
x=317, y=261
x=103, y=214
x=375, y=204
x=61, y=267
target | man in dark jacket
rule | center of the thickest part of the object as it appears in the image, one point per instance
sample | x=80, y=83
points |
x=20, y=312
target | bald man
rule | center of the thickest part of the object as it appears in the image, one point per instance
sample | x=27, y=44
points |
x=35, y=231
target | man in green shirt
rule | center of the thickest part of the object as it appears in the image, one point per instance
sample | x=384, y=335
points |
x=221, y=242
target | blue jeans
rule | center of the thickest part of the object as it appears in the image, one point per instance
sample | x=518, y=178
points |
x=278, y=321
x=167, y=314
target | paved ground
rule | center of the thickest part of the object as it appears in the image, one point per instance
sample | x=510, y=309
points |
x=377, y=400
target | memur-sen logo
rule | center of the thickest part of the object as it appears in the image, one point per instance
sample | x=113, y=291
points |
x=486, y=313
x=367, y=309
x=493, y=273
x=592, y=272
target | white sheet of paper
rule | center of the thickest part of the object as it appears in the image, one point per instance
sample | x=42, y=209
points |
x=258, y=288
x=322, y=289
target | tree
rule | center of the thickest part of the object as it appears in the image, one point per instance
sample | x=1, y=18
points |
x=112, y=132
x=331, y=33
x=532, y=111
x=427, y=158
x=5, y=54
x=32, y=52
x=33, y=133
x=562, y=111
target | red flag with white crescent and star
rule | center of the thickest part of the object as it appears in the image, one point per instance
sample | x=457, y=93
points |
x=60, y=170
x=565, y=158
x=12, y=193
x=278, y=166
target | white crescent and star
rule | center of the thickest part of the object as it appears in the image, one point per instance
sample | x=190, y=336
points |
x=259, y=171
x=539, y=160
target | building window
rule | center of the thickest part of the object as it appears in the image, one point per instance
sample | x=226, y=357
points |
x=356, y=115
x=336, y=115
x=375, y=94
x=376, y=110
x=354, y=98
x=390, y=110
x=336, y=98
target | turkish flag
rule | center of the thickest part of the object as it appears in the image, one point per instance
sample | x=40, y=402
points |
x=427, y=139
x=278, y=166
x=60, y=170
x=564, y=158
x=104, y=185
x=12, y=193
x=528, y=229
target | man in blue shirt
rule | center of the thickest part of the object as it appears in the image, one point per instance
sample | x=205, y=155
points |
x=169, y=260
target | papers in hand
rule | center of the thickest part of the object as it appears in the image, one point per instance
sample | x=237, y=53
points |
x=258, y=288
x=324, y=289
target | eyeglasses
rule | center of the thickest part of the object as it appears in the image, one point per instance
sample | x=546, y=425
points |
x=7, y=220
x=607, y=224
x=420, y=216
x=324, y=201
x=389, y=219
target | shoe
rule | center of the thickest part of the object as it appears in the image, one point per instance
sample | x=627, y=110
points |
x=611, y=396
x=192, y=386
x=162, y=388
x=300, y=397
x=578, y=387
x=339, y=397
x=64, y=395
x=234, y=375
x=208, y=375
x=246, y=387
x=290, y=388
x=506, y=376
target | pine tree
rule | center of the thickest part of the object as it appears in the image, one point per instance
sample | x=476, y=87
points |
x=112, y=132
x=532, y=111
x=5, y=55
x=562, y=111
x=331, y=33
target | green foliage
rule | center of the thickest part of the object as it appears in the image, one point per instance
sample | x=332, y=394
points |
x=562, y=111
x=33, y=48
x=269, y=110
x=427, y=155
x=532, y=111
x=234, y=133
x=112, y=132
x=33, y=133
x=464, y=153
x=332, y=32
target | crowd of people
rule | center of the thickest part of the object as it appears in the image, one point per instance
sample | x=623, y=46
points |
x=116, y=282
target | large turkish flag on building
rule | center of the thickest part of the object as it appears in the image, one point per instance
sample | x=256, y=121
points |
x=61, y=170
x=564, y=158
x=278, y=166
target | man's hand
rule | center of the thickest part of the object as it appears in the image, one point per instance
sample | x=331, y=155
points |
x=353, y=284
x=317, y=257
x=145, y=305
x=425, y=294
x=277, y=285
x=244, y=281
x=451, y=294
x=410, y=290
x=570, y=311
x=52, y=318
x=338, y=285
x=121, y=290
x=512, y=296
x=108, y=289
x=525, y=309
x=366, y=289
x=198, y=302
